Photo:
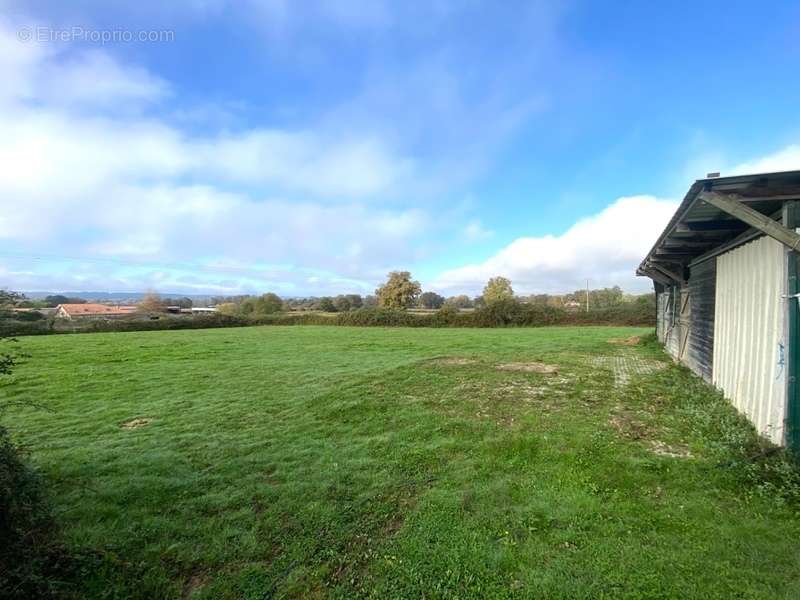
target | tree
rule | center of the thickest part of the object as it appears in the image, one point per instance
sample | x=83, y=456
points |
x=342, y=303
x=497, y=288
x=399, y=291
x=326, y=304
x=431, y=300
x=346, y=302
x=462, y=301
x=355, y=301
x=606, y=297
x=257, y=306
x=57, y=299
x=370, y=301
x=7, y=297
x=184, y=302
x=228, y=308
x=151, y=302
x=269, y=304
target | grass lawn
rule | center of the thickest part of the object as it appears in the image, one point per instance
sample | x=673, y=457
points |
x=401, y=463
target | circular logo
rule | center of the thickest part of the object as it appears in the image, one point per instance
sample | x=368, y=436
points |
x=24, y=34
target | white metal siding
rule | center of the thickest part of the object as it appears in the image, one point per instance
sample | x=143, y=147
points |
x=748, y=333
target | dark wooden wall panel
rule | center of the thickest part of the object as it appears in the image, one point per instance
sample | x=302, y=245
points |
x=702, y=291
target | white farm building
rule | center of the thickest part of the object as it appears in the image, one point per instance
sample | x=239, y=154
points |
x=725, y=274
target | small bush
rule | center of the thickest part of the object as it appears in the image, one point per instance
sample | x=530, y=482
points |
x=382, y=317
x=447, y=316
x=26, y=316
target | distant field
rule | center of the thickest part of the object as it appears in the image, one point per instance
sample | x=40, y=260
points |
x=400, y=463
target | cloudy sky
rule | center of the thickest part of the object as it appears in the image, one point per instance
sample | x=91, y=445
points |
x=308, y=148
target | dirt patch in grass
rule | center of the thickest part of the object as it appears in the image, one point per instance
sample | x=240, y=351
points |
x=631, y=341
x=135, y=423
x=508, y=401
x=664, y=449
x=632, y=428
x=453, y=361
x=529, y=367
x=628, y=426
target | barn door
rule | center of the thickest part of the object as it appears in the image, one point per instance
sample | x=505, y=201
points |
x=685, y=320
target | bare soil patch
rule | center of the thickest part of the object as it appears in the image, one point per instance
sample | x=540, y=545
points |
x=529, y=367
x=134, y=423
x=664, y=449
x=631, y=341
x=453, y=361
x=629, y=426
x=507, y=401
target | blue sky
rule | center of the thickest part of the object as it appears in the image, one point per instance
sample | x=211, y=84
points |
x=310, y=147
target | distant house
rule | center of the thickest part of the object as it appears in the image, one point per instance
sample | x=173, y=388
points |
x=89, y=311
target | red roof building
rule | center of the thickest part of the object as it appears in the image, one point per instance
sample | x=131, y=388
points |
x=76, y=311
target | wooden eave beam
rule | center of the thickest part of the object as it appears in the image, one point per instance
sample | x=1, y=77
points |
x=673, y=276
x=655, y=275
x=731, y=204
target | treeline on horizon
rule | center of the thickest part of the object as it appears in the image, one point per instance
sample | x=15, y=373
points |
x=400, y=291
x=270, y=303
x=398, y=302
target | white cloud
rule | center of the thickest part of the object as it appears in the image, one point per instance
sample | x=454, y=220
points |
x=89, y=173
x=94, y=79
x=48, y=75
x=303, y=161
x=475, y=231
x=786, y=159
x=605, y=248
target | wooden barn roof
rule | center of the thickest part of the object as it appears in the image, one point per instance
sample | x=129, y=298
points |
x=701, y=229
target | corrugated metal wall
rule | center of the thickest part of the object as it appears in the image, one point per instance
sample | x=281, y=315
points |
x=702, y=286
x=748, y=333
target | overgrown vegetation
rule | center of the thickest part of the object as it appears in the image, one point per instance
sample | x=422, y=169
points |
x=498, y=306
x=505, y=313
x=31, y=558
x=395, y=463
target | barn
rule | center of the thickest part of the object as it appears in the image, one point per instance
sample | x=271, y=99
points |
x=725, y=275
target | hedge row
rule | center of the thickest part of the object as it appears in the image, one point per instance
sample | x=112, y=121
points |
x=504, y=314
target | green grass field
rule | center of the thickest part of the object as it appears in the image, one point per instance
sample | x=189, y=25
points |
x=400, y=463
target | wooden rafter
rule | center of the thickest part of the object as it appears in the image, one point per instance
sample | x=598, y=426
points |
x=673, y=276
x=656, y=276
x=731, y=204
